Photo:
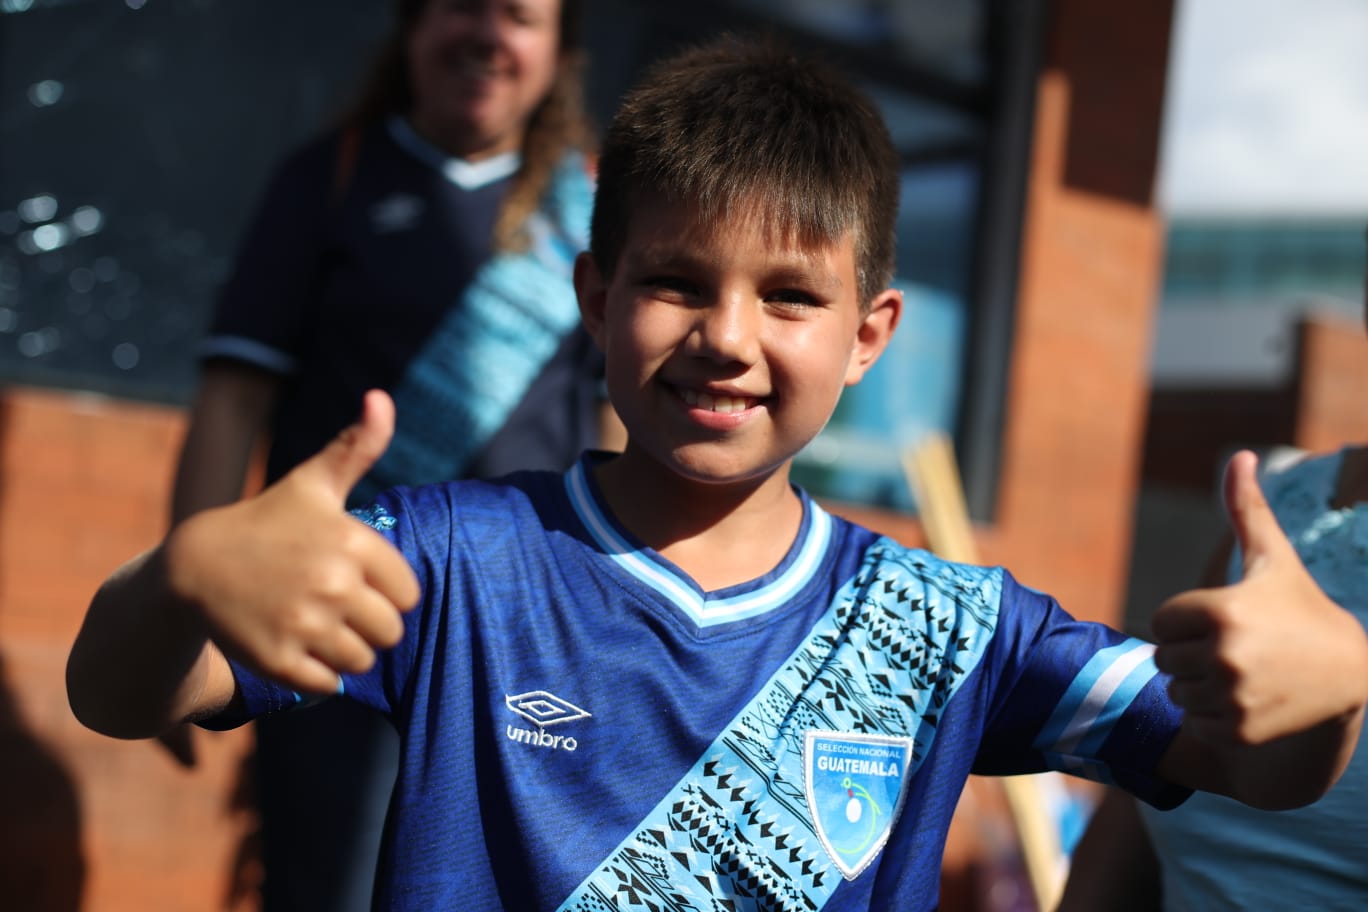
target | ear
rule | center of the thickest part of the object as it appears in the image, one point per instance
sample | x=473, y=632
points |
x=592, y=293
x=874, y=333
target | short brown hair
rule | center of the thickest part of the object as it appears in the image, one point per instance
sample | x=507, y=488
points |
x=741, y=121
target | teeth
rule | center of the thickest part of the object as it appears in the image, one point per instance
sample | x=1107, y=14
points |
x=723, y=404
x=473, y=66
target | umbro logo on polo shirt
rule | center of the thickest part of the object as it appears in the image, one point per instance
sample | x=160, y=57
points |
x=542, y=709
x=396, y=212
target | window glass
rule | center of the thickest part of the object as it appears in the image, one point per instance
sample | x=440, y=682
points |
x=1280, y=262
x=943, y=36
x=135, y=139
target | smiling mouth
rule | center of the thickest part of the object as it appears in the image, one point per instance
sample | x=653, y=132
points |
x=469, y=65
x=723, y=404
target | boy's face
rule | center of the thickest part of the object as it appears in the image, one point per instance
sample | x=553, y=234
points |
x=728, y=346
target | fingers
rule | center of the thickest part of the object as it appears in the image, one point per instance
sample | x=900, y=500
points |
x=336, y=644
x=373, y=620
x=312, y=675
x=1189, y=632
x=1186, y=659
x=343, y=651
x=1215, y=706
x=1186, y=616
x=331, y=600
x=1255, y=526
x=1201, y=684
x=357, y=604
x=350, y=455
x=388, y=573
x=1205, y=697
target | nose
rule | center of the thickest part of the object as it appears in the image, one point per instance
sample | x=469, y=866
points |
x=728, y=330
x=487, y=24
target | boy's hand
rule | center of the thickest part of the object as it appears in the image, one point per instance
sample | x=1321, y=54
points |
x=1266, y=657
x=288, y=581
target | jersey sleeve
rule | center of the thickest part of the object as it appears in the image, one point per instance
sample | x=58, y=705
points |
x=266, y=305
x=383, y=687
x=1077, y=697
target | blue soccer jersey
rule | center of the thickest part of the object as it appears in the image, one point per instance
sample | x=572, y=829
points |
x=585, y=729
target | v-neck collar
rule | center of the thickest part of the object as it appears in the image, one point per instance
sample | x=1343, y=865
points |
x=655, y=572
x=464, y=174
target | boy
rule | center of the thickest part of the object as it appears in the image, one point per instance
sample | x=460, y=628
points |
x=668, y=679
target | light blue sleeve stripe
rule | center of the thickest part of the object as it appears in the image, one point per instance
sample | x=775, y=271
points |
x=1116, y=705
x=1088, y=692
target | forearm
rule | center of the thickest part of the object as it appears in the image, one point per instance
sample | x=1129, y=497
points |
x=142, y=660
x=231, y=410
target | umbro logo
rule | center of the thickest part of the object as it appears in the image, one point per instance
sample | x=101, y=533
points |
x=543, y=708
x=396, y=212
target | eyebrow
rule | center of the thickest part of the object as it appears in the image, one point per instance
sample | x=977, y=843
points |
x=794, y=271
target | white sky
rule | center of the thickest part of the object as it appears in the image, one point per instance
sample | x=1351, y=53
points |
x=1267, y=108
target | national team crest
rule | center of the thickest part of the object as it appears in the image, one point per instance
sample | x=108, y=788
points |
x=854, y=787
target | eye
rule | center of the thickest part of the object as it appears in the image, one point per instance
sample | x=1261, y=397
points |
x=522, y=15
x=671, y=285
x=793, y=298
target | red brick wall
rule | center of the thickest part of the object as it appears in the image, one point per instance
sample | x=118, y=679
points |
x=83, y=484
x=1079, y=377
x=1332, y=388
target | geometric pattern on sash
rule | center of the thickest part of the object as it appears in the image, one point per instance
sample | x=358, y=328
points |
x=735, y=833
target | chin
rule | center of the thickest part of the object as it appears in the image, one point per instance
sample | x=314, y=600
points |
x=721, y=472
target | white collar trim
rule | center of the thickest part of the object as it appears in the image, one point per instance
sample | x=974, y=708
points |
x=464, y=174
x=702, y=609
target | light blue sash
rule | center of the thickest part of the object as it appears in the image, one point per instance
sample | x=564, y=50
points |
x=480, y=361
x=740, y=824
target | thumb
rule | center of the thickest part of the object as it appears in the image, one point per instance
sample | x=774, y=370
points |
x=1255, y=527
x=350, y=455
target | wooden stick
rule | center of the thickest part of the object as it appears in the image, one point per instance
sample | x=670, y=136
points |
x=934, y=477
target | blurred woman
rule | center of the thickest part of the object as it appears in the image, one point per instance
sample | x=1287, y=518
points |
x=424, y=246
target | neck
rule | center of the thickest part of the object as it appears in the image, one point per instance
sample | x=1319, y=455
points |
x=719, y=534
x=458, y=143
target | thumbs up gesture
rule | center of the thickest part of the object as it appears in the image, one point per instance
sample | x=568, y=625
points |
x=290, y=583
x=1269, y=656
